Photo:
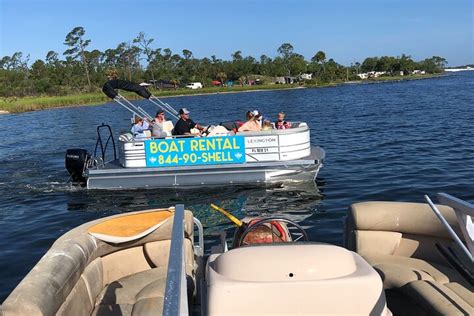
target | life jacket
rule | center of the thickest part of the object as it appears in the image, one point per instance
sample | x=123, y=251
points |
x=282, y=124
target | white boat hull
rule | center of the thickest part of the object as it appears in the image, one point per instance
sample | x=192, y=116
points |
x=114, y=176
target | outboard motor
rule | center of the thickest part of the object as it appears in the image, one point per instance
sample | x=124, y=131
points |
x=76, y=160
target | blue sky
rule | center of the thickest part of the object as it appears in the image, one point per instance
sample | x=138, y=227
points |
x=347, y=31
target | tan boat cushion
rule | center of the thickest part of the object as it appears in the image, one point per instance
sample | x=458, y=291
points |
x=148, y=306
x=157, y=253
x=397, y=228
x=113, y=310
x=81, y=299
x=437, y=299
x=377, y=242
x=395, y=276
x=137, y=294
x=461, y=291
x=412, y=265
x=78, y=302
x=114, y=267
x=126, y=290
x=414, y=273
x=68, y=279
x=403, y=217
x=425, y=283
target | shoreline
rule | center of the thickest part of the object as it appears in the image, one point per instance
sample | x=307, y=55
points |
x=22, y=105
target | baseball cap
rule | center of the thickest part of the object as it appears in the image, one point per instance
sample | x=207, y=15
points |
x=184, y=111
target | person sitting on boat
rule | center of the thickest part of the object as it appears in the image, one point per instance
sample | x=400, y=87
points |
x=139, y=128
x=261, y=119
x=267, y=125
x=158, y=130
x=281, y=123
x=250, y=114
x=185, y=124
x=253, y=124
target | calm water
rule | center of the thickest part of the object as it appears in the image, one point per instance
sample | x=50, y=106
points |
x=392, y=141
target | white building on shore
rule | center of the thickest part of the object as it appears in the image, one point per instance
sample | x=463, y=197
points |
x=458, y=69
x=371, y=74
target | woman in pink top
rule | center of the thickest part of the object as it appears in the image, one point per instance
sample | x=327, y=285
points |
x=252, y=125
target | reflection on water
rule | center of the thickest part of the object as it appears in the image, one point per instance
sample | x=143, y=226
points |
x=295, y=202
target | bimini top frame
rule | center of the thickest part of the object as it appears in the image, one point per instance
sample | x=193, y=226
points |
x=109, y=90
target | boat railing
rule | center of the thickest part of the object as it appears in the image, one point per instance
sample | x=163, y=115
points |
x=175, y=298
x=103, y=146
x=461, y=254
x=199, y=248
x=296, y=127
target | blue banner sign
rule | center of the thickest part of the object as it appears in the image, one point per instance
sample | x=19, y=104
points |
x=194, y=151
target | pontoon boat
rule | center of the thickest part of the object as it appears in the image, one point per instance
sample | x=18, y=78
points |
x=222, y=157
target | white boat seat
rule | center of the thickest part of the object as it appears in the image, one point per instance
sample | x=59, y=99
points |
x=168, y=127
x=293, y=279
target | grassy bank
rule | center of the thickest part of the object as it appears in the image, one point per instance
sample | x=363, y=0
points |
x=402, y=78
x=17, y=105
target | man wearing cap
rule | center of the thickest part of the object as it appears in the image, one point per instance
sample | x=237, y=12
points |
x=185, y=124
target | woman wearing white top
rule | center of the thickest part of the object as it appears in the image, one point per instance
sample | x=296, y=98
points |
x=139, y=128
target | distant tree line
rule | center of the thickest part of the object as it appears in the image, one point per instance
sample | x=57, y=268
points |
x=82, y=69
